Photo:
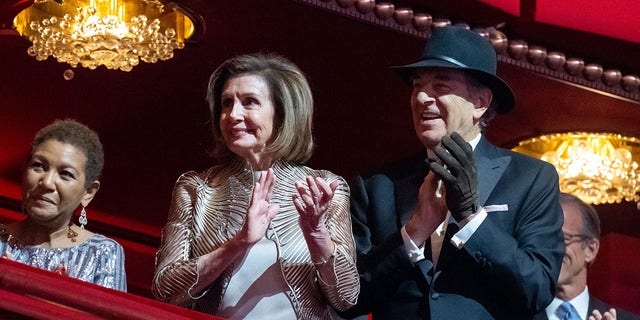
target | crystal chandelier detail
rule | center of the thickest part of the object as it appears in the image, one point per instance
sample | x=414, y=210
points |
x=596, y=167
x=114, y=33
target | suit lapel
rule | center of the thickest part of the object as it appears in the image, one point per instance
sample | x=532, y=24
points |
x=491, y=164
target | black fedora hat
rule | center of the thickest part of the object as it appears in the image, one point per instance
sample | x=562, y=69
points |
x=461, y=48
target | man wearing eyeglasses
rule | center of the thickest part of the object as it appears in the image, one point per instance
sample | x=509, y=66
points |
x=582, y=240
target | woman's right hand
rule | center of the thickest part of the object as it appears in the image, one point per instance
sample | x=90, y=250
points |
x=260, y=211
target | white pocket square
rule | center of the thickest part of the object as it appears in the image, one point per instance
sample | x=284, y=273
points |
x=496, y=207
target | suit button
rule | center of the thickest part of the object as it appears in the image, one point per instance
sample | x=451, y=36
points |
x=435, y=296
x=478, y=254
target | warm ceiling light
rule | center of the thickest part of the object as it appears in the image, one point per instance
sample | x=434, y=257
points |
x=114, y=33
x=596, y=167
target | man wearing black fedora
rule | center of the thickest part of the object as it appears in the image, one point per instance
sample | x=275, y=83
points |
x=465, y=230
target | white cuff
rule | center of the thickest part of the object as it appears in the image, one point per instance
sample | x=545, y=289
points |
x=415, y=253
x=464, y=234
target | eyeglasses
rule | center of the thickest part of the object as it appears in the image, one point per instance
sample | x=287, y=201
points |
x=568, y=237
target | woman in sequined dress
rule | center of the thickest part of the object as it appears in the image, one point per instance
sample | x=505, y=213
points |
x=260, y=236
x=61, y=175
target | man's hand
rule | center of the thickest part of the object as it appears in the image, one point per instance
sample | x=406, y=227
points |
x=429, y=214
x=460, y=176
x=608, y=315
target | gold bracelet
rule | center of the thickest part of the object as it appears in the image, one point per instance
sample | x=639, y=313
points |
x=317, y=264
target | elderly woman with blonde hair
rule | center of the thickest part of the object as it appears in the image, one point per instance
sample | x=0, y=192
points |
x=260, y=235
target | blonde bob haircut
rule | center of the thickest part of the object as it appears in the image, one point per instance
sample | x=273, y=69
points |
x=292, y=139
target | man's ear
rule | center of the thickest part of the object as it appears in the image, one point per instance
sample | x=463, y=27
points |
x=482, y=102
x=591, y=250
x=90, y=193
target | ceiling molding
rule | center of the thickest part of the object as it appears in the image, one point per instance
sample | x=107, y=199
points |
x=552, y=64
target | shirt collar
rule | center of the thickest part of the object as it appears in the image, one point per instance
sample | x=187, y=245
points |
x=473, y=142
x=580, y=302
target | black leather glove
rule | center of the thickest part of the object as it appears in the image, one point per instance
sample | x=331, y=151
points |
x=460, y=177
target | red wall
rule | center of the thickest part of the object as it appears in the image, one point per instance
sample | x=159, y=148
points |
x=615, y=276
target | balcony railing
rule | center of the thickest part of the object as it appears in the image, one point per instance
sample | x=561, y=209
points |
x=30, y=293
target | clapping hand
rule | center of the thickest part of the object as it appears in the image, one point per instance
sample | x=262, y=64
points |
x=430, y=212
x=312, y=203
x=459, y=177
x=260, y=211
x=608, y=315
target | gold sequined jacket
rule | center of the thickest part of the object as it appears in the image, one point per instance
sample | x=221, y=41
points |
x=209, y=208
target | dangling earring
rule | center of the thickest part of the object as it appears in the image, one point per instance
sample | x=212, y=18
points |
x=82, y=219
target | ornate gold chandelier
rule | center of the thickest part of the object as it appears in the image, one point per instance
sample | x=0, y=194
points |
x=596, y=167
x=114, y=33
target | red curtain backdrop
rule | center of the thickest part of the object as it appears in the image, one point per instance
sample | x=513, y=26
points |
x=614, y=18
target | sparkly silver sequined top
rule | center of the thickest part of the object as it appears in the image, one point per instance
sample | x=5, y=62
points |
x=98, y=259
x=209, y=208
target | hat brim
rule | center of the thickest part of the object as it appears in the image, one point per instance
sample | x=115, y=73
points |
x=502, y=94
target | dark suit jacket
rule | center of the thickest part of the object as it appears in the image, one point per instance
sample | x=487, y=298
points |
x=507, y=269
x=601, y=306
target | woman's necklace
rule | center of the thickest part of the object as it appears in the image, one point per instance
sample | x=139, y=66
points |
x=71, y=234
x=8, y=238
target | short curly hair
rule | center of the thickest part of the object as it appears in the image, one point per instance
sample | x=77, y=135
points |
x=78, y=135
